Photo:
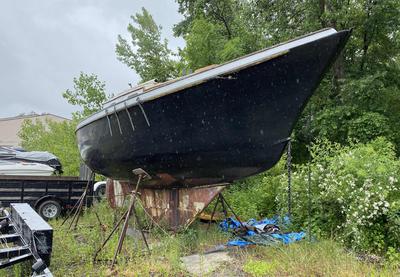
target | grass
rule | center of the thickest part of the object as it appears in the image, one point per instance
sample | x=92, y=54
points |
x=73, y=253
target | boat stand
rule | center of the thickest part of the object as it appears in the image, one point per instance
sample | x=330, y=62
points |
x=125, y=218
x=224, y=204
x=77, y=209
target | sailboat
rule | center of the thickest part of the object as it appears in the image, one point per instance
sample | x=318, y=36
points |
x=216, y=125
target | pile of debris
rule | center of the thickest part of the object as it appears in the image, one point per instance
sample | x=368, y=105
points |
x=264, y=232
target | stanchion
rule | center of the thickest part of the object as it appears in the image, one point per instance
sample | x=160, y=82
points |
x=221, y=199
x=76, y=210
x=125, y=219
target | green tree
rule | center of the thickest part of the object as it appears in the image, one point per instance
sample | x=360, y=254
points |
x=89, y=94
x=203, y=44
x=59, y=137
x=219, y=12
x=361, y=81
x=55, y=137
x=218, y=31
x=147, y=54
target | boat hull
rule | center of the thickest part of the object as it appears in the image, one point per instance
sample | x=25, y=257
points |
x=227, y=128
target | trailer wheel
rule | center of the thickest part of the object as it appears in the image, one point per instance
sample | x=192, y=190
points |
x=49, y=209
x=100, y=190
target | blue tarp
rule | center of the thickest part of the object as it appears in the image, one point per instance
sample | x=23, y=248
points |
x=256, y=236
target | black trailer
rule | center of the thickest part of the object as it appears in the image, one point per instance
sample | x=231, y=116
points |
x=49, y=195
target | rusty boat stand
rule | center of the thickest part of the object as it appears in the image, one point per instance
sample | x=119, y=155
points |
x=125, y=218
x=174, y=207
x=224, y=204
x=77, y=209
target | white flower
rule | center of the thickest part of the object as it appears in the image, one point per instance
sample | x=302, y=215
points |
x=392, y=180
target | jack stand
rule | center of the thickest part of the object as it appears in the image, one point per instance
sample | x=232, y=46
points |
x=125, y=217
x=78, y=205
x=223, y=201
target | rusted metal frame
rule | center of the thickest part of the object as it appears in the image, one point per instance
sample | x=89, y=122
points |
x=109, y=236
x=213, y=212
x=72, y=210
x=152, y=220
x=233, y=212
x=125, y=226
x=195, y=217
x=223, y=206
x=219, y=200
x=140, y=229
x=174, y=206
x=75, y=218
x=167, y=204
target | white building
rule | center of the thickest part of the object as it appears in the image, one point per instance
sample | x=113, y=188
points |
x=10, y=126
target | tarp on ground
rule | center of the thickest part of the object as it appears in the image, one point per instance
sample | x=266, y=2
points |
x=262, y=232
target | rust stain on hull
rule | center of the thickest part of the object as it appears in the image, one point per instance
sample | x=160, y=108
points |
x=172, y=207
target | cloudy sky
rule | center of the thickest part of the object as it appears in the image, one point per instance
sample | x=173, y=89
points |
x=45, y=43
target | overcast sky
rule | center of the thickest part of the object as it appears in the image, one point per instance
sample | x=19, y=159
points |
x=45, y=43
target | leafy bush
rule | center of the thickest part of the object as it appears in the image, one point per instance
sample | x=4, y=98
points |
x=55, y=137
x=369, y=126
x=254, y=197
x=354, y=194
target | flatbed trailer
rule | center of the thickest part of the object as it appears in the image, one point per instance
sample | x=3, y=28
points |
x=48, y=195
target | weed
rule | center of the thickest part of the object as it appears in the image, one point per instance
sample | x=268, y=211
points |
x=259, y=268
x=73, y=253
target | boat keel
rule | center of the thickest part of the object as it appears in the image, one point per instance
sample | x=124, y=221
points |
x=173, y=208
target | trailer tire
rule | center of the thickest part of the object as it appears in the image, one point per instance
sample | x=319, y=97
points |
x=49, y=209
x=100, y=190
